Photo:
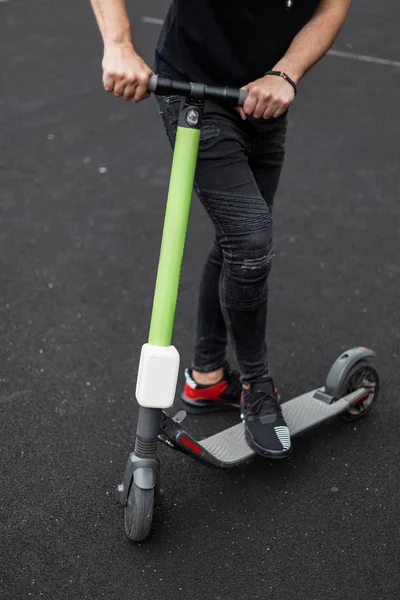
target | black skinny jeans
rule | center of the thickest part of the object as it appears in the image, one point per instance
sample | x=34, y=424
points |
x=237, y=175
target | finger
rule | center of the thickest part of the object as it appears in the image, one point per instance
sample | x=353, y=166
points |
x=119, y=86
x=263, y=105
x=259, y=110
x=141, y=92
x=129, y=91
x=270, y=110
x=108, y=82
x=279, y=111
x=250, y=104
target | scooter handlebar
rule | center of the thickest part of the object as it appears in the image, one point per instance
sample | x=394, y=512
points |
x=163, y=86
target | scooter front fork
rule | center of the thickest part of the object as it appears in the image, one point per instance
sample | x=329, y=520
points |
x=143, y=465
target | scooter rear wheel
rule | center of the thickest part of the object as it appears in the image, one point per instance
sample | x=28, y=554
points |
x=139, y=512
x=362, y=375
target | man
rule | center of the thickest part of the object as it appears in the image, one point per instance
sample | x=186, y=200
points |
x=265, y=47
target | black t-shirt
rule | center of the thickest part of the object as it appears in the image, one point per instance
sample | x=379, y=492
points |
x=227, y=42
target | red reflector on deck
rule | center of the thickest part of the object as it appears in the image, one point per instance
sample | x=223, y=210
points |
x=190, y=444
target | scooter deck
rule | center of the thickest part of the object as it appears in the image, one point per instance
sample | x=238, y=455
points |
x=301, y=413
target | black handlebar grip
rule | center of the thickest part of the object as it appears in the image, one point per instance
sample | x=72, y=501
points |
x=161, y=85
x=242, y=97
x=152, y=84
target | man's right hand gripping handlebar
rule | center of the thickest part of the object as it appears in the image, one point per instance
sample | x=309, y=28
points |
x=125, y=73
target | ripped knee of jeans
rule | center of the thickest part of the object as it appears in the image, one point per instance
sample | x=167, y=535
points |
x=258, y=263
x=246, y=280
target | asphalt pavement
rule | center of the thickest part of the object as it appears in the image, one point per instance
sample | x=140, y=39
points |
x=83, y=179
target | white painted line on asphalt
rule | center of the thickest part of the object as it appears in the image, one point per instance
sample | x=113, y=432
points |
x=360, y=57
x=365, y=58
x=151, y=20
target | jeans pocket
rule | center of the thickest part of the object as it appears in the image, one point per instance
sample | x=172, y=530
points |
x=168, y=107
x=171, y=106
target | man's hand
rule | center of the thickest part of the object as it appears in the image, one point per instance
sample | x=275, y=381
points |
x=125, y=73
x=268, y=97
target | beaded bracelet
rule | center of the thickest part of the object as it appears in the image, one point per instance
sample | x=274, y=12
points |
x=286, y=77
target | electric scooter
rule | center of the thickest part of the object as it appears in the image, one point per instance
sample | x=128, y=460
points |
x=350, y=389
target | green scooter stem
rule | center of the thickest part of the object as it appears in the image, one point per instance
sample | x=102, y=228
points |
x=174, y=234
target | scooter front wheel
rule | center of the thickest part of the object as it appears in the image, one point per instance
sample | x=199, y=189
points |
x=139, y=512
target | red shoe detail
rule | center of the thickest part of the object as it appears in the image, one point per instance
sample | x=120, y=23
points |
x=210, y=393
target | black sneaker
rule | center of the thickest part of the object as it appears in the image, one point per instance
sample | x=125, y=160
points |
x=224, y=395
x=265, y=428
